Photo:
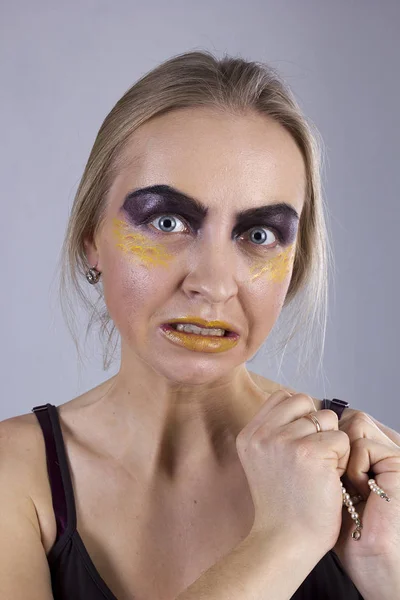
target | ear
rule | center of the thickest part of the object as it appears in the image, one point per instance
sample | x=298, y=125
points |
x=92, y=254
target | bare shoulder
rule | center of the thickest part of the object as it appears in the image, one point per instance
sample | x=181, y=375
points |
x=20, y=437
x=23, y=464
x=270, y=386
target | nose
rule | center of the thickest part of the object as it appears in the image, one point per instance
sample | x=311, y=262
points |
x=213, y=266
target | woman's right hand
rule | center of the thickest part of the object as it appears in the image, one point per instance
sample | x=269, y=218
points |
x=294, y=471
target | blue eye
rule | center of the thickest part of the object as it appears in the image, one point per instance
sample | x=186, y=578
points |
x=171, y=221
x=260, y=238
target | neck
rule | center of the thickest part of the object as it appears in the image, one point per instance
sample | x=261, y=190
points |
x=172, y=427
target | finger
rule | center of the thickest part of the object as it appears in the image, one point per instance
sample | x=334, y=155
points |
x=292, y=408
x=262, y=415
x=390, y=433
x=341, y=447
x=329, y=445
x=360, y=425
x=300, y=425
x=278, y=409
x=366, y=455
x=393, y=435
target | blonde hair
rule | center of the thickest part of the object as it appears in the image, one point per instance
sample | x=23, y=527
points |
x=234, y=86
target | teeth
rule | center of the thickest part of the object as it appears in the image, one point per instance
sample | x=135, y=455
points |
x=199, y=330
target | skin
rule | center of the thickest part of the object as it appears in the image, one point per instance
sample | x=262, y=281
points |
x=146, y=446
x=192, y=405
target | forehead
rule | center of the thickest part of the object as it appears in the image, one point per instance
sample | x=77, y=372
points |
x=246, y=160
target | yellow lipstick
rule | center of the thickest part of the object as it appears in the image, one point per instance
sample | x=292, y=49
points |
x=198, y=342
x=203, y=323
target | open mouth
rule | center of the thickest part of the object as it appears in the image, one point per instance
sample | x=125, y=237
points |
x=173, y=326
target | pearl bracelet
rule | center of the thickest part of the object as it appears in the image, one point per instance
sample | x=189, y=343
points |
x=349, y=502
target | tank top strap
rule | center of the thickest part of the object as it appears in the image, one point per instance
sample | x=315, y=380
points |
x=57, y=468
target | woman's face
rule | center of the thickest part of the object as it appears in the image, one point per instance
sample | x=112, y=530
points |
x=162, y=257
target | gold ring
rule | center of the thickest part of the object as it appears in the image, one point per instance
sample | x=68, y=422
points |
x=314, y=419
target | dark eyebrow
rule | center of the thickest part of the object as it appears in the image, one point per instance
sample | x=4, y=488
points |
x=179, y=201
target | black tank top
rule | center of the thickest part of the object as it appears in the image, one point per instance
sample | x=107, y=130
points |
x=73, y=574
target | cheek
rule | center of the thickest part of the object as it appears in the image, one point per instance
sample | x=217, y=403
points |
x=137, y=246
x=131, y=261
x=277, y=270
x=271, y=279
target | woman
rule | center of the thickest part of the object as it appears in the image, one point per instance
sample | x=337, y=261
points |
x=186, y=475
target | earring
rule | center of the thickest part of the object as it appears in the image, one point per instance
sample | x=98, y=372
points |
x=93, y=275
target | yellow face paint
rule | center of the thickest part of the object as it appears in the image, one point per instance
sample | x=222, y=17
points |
x=140, y=246
x=156, y=255
x=278, y=267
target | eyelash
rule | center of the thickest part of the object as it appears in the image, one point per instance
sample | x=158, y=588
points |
x=276, y=233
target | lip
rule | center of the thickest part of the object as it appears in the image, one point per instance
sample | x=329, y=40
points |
x=204, y=323
x=200, y=343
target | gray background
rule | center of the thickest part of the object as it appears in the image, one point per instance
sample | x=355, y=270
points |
x=64, y=65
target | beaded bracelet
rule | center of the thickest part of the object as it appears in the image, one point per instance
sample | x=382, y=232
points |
x=349, y=502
